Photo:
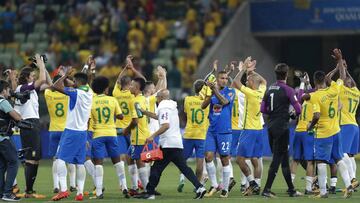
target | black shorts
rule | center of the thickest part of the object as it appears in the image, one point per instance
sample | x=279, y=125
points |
x=31, y=138
x=279, y=139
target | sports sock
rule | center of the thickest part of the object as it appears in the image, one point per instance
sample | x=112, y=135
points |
x=352, y=159
x=134, y=176
x=182, y=178
x=90, y=168
x=344, y=173
x=55, y=175
x=72, y=174
x=226, y=176
x=120, y=171
x=250, y=178
x=80, y=179
x=62, y=172
x=144, y=176
x=349, y=165
x=322, y=177
x=333, y=181
x=293, y=177
x=210, y=167
x=258, y=181
x=30, y=175
x=99, y=176
x=219, y=169
x=309, y=181
x=231, y=169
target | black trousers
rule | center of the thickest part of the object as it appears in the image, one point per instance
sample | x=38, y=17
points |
x=176, y=156
x=9, y=165
x=279, y=143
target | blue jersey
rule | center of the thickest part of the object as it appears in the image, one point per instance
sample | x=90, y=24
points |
x=220, y=115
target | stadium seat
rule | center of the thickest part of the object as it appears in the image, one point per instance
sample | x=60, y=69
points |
x=2, y=47
x=44, y=37
x=18, y=61
x=26, y=46
x=5, y=59
x=56, y=8
x=179, y=52
x=19, y=37
x=165, y=53
x=170, y=43
x=40, y=27
x=34, y=37
x=40, y=8
x=12, y=48
x=17, y=27
x=41, y=47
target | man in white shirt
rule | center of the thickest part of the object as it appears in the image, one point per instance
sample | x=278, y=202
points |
x=171, y=145
x=72, y=148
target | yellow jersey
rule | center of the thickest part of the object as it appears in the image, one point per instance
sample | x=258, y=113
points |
x=141, y=131
x=349, y=98
x=152, y=103
x=253, y=98
x=235, y=112
x=57, y=105
x=326, y=102
x=124, y=98
x=305, y=117
x=197, y=118
x=103, y=111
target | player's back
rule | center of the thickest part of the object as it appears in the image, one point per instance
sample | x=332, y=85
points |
x=124, y=98
x=57, y=105
x=103, y=112
x=141, y=130
x=349, y=98
x=277, y=103
x=326, y=101
x=305, y=117
x=252, y=115
x=197, y=122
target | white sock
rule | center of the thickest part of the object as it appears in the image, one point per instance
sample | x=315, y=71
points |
x=226, y=176
x=134, y=176
x=344, y=173
x=258, y=181
x=120, y=171
x=144, y=176
x=322, y=177
x=90, y=168
x=219, y=169
x=99, y=176
x=15, y=182
x=352, y=159
x=261, y=165
x=210, y=167
x=182, y=178
x=250, y=178
x=231, y=169
x=80, y=179
x=62, y=172
x=55, y=175
x=243, y=178
x=248, y=162
x=204, y=169
x=349, y=165
x=309, y=181
x=72, y=175
x=333, y=181
x=293, y=177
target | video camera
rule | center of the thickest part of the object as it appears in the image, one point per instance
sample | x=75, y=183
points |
x=33, y=60
x=23, y=97
x=7, y=124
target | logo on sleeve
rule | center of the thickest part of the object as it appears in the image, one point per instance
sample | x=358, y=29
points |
x=217, y=108
x=164, y=116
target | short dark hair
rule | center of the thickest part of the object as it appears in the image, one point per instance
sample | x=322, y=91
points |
x=99, y=84
x=198, y=85
x=147, y=85
x=81, y=77
x=3, y=85
x=221, y=72
x=141, y=82
x=24, y=74
x=281, y=71
x=319, y=77
x=125, y=80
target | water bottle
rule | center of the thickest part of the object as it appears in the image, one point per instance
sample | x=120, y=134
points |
x=138, y=111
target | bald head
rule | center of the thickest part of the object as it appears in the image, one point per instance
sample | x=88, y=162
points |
x=163, y=94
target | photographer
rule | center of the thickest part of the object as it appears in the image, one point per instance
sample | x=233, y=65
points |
x=8, y=154
x=29, y=110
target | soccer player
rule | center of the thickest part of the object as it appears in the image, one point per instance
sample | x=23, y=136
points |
x=103, y=111
x=349, y=98
x=195, y=130
x=327, y=142
x=218, y=138
x=276, y=104
x=57, y=107
x=303, y=146
x=138, y=127
x=73, y=141
x=250, y=142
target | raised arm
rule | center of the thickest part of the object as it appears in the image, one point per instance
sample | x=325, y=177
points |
x=162, y=80
x=337, y=55
x=206, y=102
x=237, y=80
x=59, y=84
x=130, y=65
x=42, y=75
x=353, y=83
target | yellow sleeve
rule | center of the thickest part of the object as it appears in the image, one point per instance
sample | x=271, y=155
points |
x=315, y=104
x=46, y=93
x=117, y=107
x=116, y=89
x=262, y=89
x=152, y=99
x=337, y=85
x=247, y=91
x=133, y=110
x=186, y=105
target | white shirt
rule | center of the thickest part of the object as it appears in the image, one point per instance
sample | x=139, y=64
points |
x=167, y=113
x=79, y=108
x=30, y=109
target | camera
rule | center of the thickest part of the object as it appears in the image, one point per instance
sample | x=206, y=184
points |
x=7, y=124
x=21, y=96
x=33, y=60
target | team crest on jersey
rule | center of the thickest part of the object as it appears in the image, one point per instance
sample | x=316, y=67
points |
x=217, y=108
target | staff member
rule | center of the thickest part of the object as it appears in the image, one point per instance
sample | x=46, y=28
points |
x=171, y=145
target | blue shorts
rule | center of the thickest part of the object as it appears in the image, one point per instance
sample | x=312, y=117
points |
x=328, y=148
x=350, y=139
x=72, y=148
x=135, y=151
x=250, y=144
x=89, y=136
x=103, y=146
x=235, y=142
x=303, y=146
x=54, y=140
x=219, y=143
x=194, y=144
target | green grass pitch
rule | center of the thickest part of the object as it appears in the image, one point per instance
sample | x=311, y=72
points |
x=168, y=185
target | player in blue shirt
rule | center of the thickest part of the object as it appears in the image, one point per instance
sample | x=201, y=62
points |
x=219, y=135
